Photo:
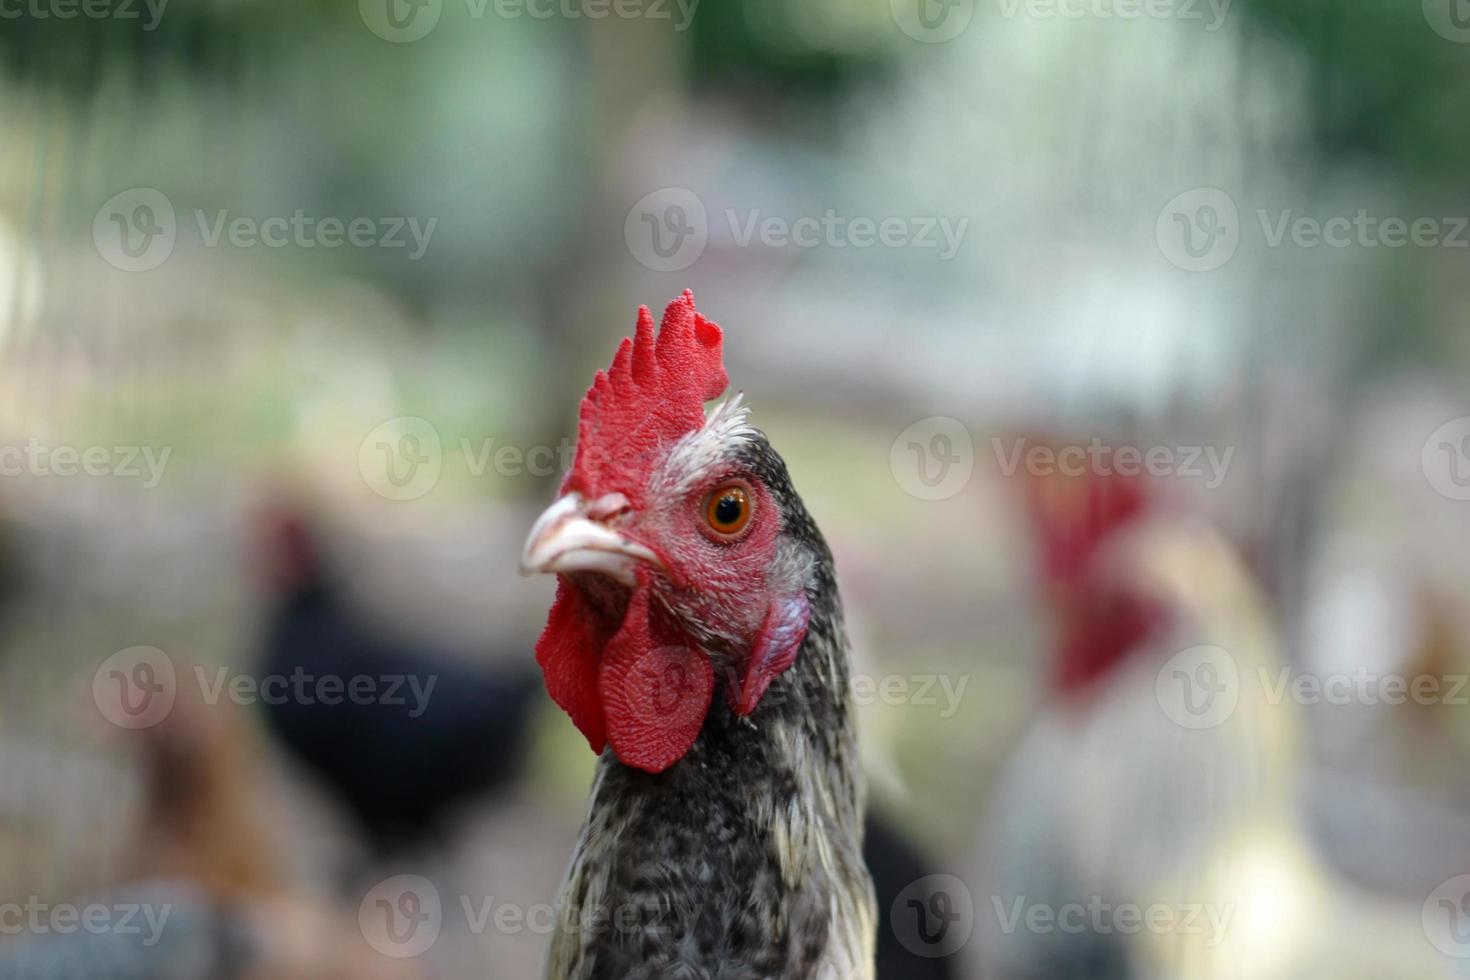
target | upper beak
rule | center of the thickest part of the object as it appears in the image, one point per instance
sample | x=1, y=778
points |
x=572, y=536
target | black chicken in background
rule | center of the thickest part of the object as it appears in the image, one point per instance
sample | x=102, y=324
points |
x=426, y=733
x=9, y=572
x=896, y=863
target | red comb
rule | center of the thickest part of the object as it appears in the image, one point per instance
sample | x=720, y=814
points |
x=1075, y=515
x=653, y=394
x=1101, y=621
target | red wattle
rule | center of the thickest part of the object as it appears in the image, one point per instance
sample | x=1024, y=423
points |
x=774, y=650
x=656, y=688
x=569, y=651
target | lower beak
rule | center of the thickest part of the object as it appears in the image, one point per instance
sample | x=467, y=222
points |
x=565, y=539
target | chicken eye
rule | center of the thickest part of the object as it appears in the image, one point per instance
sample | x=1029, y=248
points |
x=728, y=510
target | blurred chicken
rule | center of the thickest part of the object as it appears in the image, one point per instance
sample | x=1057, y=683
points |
x=204, y=828
x=896, y=862
x=9, y=571
x=438, y=731
x=202, y=802
x=205, y=879
x=1162, y=773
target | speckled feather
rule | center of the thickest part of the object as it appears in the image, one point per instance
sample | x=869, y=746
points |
x=742, y=861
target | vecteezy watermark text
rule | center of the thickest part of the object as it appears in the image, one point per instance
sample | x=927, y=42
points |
x=669, y=229
x=34, y=917
x=938, y=21
x=1201, y=687
x=1201, y=229
x=304, y=231
x=136, y=230
x=1097, y=916
x=680, y=12
x=942, y=691
x=832, y=230
x=409, y=691
x=150, y=12
x=137, y=688
x=1099, y=459
x=36, y=458
x=1365, y=687
x=405, y=21
x=403, y=916
x=403, y=458
x=1212, y=12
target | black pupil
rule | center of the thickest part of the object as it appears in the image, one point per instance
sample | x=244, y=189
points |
x=727, y=509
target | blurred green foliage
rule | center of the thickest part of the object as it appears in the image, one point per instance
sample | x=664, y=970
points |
x=1383, y=84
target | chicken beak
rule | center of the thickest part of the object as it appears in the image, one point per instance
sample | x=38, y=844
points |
x=572, y=535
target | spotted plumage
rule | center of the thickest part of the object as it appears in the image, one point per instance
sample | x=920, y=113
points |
x=743, y=861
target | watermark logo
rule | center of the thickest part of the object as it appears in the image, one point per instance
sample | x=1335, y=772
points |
x=135, y=688
x=680, y=12
x=1205, y=463
x=832, y=230
x=674, y=682
x=302, y=230
x=42, y=460
x=1363, y=687
x=667, y=230
x=401, y=917
x=510, y=460
x=942, y=691
x=934, y=458
x=400, y=21
x=934, y=916
x=1362, y=230
x=89, y=9
x=135, y=230
x=1199, y=230
x=37, y=918
x=411, y=692
x=401, y=459
x=933, y=21
x=1098, y=916
x=1445, y=459
x=1450, y=19
x=404, y=21
x=1198, y=688
x=1445, y=916
x=1212, y=12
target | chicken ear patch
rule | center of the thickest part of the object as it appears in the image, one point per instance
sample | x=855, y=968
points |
x=568, y=651
x=656, y=688
x=774, y=650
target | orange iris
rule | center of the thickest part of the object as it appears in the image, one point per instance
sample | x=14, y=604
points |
x=728, y=510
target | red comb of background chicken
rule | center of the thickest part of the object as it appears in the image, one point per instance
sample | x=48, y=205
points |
x=1075, y=515
x=1101, y=619
x=653, y=393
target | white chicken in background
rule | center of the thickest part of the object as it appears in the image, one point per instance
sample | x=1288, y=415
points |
x=1149, y=824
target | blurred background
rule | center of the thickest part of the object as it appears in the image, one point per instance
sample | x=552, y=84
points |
x=297, y=301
